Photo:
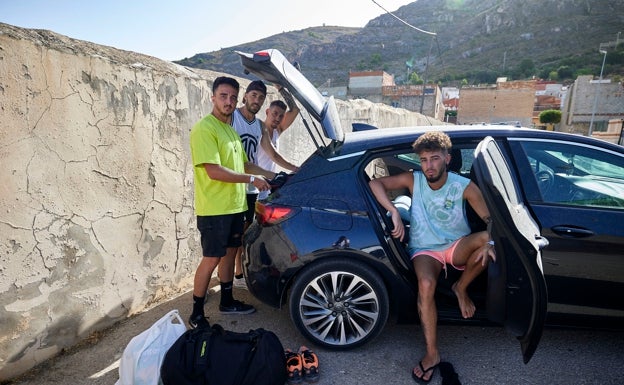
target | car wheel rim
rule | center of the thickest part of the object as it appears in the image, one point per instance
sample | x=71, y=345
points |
x=339, y=308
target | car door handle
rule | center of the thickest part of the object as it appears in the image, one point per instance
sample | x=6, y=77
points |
x=541, y=242
x=572, y=232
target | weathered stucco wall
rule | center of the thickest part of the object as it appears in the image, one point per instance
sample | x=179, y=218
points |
x=96, y=206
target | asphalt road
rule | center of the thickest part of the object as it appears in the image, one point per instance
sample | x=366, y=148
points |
x=481, y=355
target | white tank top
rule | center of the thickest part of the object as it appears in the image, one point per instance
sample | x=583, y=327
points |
x=264, y=160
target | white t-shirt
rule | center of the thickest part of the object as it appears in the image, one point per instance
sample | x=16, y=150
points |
x=265, y=161
x=250, y=133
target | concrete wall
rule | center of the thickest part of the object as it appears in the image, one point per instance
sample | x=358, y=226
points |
x=96, y=205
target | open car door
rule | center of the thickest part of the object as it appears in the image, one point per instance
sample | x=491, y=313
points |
x=517, y=294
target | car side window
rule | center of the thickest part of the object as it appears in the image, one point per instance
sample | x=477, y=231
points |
x=575, y=174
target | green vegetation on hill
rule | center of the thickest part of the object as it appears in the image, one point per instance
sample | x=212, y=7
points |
x=477, y=41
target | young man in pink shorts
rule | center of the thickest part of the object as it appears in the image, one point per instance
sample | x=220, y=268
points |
x=439, y=234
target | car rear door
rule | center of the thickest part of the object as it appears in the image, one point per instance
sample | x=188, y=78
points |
x=517, y=294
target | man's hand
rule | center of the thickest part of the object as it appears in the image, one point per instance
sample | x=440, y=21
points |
x=260, y=183
x=487, y=252
x=398, y=231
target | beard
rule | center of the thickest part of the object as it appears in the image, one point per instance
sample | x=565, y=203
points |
x=253, y=107
x=436, y=177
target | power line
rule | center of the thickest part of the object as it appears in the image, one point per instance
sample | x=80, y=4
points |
x=403, y=21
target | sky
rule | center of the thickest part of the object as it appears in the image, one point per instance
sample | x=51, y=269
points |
x=174, y=30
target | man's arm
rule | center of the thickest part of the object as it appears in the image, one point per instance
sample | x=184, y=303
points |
x=259, y=171
x=379, y=188
x=267, y=146
x=473, y=195
x=293, y=109
x=224, y=174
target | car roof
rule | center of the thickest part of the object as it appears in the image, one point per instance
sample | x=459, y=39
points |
x=386, y=137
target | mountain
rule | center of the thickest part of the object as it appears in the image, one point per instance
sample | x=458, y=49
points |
x=476, y=40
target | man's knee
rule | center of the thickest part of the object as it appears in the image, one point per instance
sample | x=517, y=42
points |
x=427, y=286
x=209, y=262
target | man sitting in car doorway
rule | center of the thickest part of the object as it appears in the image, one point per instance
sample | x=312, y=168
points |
x=439, y=233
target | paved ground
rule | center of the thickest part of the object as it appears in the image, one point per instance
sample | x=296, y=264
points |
x=481, y=355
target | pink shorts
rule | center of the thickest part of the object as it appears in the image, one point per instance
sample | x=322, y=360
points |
x=444, y=257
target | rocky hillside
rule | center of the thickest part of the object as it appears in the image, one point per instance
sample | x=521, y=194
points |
x=476, y=40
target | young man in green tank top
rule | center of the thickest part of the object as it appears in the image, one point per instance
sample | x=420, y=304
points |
x=439, y=234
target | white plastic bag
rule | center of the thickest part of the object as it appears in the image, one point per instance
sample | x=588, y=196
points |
x=141, y=359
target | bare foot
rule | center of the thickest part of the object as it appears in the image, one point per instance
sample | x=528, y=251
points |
x=425, y=368
x=466, y=306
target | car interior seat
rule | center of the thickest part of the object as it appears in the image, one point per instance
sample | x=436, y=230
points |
x=455, y=164
x=475, y=222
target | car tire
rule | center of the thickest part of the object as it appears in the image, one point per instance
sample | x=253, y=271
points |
x=339, y=304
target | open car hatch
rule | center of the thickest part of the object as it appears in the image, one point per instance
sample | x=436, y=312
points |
x=270, y=65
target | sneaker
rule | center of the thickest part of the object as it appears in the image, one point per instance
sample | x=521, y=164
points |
x=237, y=307
x=198, y=321
x=310, y=363
x=294, y=367
x=241, y=283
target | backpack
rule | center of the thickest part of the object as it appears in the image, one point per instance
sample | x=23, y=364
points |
x=214, y=356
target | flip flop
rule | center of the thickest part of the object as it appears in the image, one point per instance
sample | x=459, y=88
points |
x=421, y=379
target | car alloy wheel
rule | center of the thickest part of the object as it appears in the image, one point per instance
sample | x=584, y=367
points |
x=339, y=304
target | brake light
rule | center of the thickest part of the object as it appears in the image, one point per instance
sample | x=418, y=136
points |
x=268, y=214
x=261, y=56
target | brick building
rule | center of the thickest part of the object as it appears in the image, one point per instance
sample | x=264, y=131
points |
x=379, y=87
x=368, y=84
x=504, y=102
x=425, y=99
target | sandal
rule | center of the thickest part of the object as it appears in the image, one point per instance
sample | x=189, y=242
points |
x=310, y=364
x=294, y=367
x=421, y=379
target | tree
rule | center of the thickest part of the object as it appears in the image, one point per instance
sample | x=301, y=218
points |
x=415, y=79
x=565, y=72
x=375, y=61
x=550, y=117
x=526, y=68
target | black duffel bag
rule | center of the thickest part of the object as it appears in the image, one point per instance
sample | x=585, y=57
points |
x=214, y=356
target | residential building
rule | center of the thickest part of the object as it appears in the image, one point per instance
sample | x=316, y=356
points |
x=588, y=100
x=510, y=102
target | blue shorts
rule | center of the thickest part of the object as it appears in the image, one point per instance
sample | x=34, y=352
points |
x=220, y=232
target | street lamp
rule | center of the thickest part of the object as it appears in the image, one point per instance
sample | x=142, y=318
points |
x=591, y=122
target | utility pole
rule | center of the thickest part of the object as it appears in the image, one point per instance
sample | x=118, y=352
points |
x=591, y=122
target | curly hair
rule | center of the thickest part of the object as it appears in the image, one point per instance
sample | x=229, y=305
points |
x=432, y=141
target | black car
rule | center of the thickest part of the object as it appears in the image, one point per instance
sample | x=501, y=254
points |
x=321, y=241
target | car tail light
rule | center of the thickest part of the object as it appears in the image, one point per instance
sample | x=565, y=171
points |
x=261, y=56
x=268, y=214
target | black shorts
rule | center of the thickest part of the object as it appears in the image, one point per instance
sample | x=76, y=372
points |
x=219, y=232
x=251, y=208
